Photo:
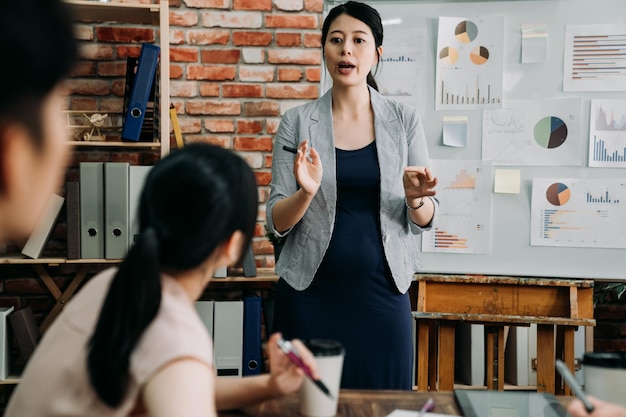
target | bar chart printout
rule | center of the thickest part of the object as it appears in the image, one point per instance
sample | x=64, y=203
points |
x=607, y=133
x=579, y=213
x=464, y=221
x=595, y=58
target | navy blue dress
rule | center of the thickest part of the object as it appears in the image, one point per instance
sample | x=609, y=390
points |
x=353, y=298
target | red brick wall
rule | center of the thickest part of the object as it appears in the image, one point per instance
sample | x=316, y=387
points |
x=235, y=66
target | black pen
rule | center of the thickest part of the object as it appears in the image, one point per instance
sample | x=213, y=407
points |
x=571, y=381
x=290, y=351
x=290, y=149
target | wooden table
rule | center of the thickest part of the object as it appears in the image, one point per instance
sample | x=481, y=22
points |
x=354, y=403
x=496, y=302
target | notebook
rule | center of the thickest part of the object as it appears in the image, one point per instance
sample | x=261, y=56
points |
x=482, y=403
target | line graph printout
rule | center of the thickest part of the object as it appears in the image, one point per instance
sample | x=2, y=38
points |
x=578, y=213
x=607, y=133
x=464, y=193
x=533, y=132
x=402, y=71
x=469, y=63
x=595, y=58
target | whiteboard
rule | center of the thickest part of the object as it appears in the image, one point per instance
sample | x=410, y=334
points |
x=511, y=253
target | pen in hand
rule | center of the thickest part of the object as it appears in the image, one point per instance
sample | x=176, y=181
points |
x=427, y=407
x=292, y=354
x=571, y=381
x=290, y=149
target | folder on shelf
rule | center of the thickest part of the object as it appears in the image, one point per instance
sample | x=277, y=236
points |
x=5, y=351
x=38, y=238
x=140, y=92
x=249, y=264
x=176, y=127
x=91, y=210
x=205, y=311
x=116, y=224
x=228, y=337
x=72, y=211
x=26, y=331
x=252, y=356
x=136, y=178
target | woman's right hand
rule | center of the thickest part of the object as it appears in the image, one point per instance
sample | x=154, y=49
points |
x=601, y=409
x=308, y=168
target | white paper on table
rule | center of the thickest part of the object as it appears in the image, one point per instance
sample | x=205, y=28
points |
x=410, y=413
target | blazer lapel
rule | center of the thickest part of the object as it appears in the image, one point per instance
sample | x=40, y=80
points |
x=322, y=139
x=389, y=132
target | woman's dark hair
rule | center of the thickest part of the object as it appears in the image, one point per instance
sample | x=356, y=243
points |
x=193, y=200
x=366, y=14
x=38, y=45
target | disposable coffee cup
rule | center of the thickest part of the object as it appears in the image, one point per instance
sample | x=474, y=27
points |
x=329, y=357
x=604, y=375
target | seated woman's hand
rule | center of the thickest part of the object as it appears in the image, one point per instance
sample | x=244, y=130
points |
x=601, y=409
x=285, y=377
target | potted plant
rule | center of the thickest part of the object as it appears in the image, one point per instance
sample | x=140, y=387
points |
x=276, y=241
x=609, y=301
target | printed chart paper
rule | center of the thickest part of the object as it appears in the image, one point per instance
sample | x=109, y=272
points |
x=533, y=132
x=469, y=63
x=595, y=58
x=607, y=133
x=464, y=193
x=402, y=72
x=578, y=213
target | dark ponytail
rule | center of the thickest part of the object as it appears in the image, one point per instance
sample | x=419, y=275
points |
x=130, y=305
x=371, y=81
x=193, y=200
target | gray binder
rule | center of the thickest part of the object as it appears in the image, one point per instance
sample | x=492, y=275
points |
x=91, y=210
x=116, y=224
x=228, y=337
x=136, y=177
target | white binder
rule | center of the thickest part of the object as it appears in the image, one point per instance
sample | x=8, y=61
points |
x=116, y=224
x=38, y=238
x=136, y=178
x=92, y=210
x=228, y=337
x=5, y=351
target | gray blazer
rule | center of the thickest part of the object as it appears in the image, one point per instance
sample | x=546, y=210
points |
x=400, y=142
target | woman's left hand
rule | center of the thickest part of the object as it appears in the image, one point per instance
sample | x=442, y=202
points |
x=418, y=182
x=285, y=377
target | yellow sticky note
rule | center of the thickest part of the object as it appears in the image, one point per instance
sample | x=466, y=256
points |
x=507, y=181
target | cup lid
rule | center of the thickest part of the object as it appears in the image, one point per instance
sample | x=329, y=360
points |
x=605, y=359
x=324, y=347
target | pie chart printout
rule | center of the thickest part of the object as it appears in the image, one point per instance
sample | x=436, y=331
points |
x=550, y=132
x=448, y=55
x=479, y=55
x=466, y=31
x=558, y=194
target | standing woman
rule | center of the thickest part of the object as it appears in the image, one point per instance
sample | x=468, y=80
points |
x=352, y=203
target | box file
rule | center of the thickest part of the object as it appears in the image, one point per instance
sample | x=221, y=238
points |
x=72, y=211
x=116, y=224
x=38, y=238
x=470, y=348
x=205, y=311
x=136, y=178
x=140, y=92
x=249, y=264
x=5, y=351
x=228, y=337
x=91, y=210
x=26, y=331
x=252, y=356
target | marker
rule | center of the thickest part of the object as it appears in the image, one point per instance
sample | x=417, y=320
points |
x=290, y=149
x=429, y=405
x=571, y=381
x=290, y=351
